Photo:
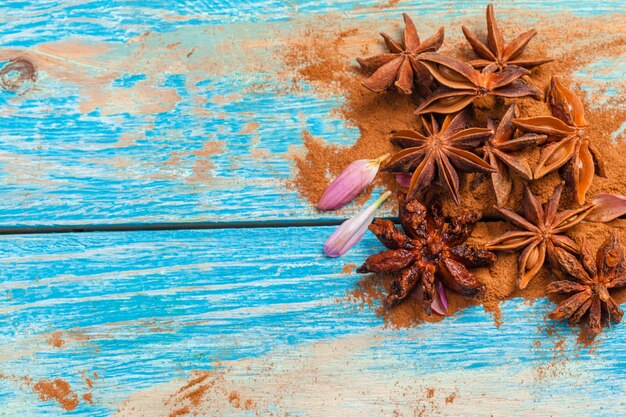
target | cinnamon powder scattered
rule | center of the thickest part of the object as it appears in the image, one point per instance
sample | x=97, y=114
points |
x=348, y=268
x=450, y=398
x=327, y=62
x=235, y=399
x=55, y=340
x=54, y=389
x=58, y=390
x=191, y=398
x=180, y=412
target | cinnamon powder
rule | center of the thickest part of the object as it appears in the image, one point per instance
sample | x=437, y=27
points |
x=327, y=62
x=58, y=390
x=191, y=399
x=56, y=340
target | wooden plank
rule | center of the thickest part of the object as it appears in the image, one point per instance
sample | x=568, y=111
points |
x=260, y=320
x=170, y=112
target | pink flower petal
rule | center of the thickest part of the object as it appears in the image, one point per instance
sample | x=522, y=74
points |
x=352, y=230
x=352, y=180
x=403, y=179
x=440, y=303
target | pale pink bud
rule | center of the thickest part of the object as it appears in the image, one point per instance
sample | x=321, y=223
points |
x=440, y=303
x=352, y=180
x=352, y=230
x=404, y=179
x=607, y=207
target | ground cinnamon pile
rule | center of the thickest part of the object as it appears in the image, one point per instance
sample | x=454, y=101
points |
x=327, y=62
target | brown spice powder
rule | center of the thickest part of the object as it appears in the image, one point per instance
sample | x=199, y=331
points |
x=180, y=412
x=450, y=398
x=191, y=398
x=326, y=62
x=58, y=390
x=235, y=399
x=55, y=340
x=348, y=269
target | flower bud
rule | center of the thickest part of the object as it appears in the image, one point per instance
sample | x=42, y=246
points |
x=352, y=180
x=440, y=303
x=352, y=230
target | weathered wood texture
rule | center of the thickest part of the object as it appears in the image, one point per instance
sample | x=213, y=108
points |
x=122, y=126
x=266, y=312
x=150, y=112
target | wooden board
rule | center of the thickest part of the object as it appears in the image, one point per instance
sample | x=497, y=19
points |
x=161, y=112
x=267, y=329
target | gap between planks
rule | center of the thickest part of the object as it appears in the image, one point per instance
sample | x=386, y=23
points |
x=135, y=227
x=266, y=224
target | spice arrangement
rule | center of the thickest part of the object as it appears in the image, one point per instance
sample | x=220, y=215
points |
x=430, y=257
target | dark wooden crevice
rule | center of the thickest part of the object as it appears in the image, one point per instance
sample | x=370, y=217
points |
x=135, y=227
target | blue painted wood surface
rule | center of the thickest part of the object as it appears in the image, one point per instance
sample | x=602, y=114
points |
x=105, y=136
x=123, y=127
x=145, y=310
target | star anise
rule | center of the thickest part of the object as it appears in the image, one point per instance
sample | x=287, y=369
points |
x=443, y=150
x=542, y=232
x=497, y=152
x=571, y=148
x=401, y=66
x=590, y=280
x=430, y=249
x=462, y=84
x=495, y=52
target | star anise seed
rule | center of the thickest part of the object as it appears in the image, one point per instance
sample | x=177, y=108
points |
x=440, y=153
x=430, y=249
x=590, y=280
x=542, y=229
x=496, y=52
x=571, y=149
x=497, y=152
x=462, y=84
x=401, y=66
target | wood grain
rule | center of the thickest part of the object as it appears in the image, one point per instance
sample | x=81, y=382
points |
x=266, y=314
x=173, y=112
x=147, y=113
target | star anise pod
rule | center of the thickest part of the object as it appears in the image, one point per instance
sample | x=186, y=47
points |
x=498, y=54
x=462, y=84
x=497, y=152
x=442, y=151
x=401, y=66
x=571, y=149
x=430, y=249
x=541, y=233
x=590, y=280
